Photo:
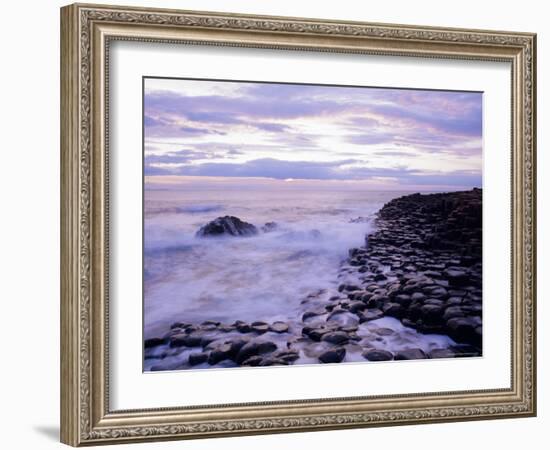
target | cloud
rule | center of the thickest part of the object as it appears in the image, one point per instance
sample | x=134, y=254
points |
x=261, y=129
x=312, y=170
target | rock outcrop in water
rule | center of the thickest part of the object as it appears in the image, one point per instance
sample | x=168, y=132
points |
x=227, y=226
x=417, y=280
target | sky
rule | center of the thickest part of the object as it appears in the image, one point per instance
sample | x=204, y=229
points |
x=377, y=137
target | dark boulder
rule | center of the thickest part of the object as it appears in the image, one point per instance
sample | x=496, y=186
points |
x=413, y=353
x=335, y=337
x=335, y=355
x=154, y=342
x=378, y=355
x=279, y=327
x=187, y=340
x=269, y=226
x=227, y=226
x=197, y=358
x=254, y=348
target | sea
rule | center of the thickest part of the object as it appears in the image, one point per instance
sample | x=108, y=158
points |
x=263, y=277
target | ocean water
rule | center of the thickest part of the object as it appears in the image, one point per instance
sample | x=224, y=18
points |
x=263, y=277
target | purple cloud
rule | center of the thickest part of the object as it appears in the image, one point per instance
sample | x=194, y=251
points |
x=280, y=117
x=312, y=170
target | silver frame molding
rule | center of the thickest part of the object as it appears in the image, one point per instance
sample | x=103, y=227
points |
x=86, y=31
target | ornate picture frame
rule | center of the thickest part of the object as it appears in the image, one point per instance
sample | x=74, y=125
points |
x=87, y=31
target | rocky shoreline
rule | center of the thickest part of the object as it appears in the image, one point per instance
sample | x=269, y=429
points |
x=417, y=279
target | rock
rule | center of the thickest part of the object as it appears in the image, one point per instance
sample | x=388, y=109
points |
x=309, y=314
x=383, y=331
x=453, y=311
x=335, y=337
x=187, y=340
x=335, y=355
x=441, y=353
x=348, y=287
x=315, y=334
x=288, y=356
x=269, y=226
x=252, y=361
x=462, y=350
x=431, y=313
x=413, y=353
x=227, y=350
x=227, y=226
x=378, y=355
x=154, y=342
x=372, y=314
x=279, y=327
x=463, y=329
x=165, y=366
x=254, y=348
x=417, y=296
x=242, y=327
x=456, y=276
x=403, y=299
x=197, y=358
x=438, y=292
x=272, y=361
x=356, y=306
x=260, y=327
x=393, y=309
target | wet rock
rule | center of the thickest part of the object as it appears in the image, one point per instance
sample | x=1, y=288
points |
x=227, y=226
x=309, y=314
x=197, y=358
x=208, y=338
x=254, y=348
x=453, y=311
x=187, y=340
x=272, y=361
x=372, y=314
x=335, y=355
x=335, y=337
x=441, y=353
x=378, y=355
x=457, y=276
x=154, y=342
x=269, y=226
x=253, y=361
x=413, y=353
x=403, y=299
x=165, y=366
x=348, y=287
x=431, y=313
x=464, y=350
x=463, y=329
x=225, y=351
x=356, y=306
x=242, y=327
x=383, y=331
x=260, y=327
x=279, y=327
x=289, y=356
x=315, y=334
x=393, y=309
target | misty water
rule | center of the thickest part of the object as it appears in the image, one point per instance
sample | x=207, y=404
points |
x=263, y=277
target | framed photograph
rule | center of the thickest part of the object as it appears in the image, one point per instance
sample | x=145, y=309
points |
x=276, y=224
